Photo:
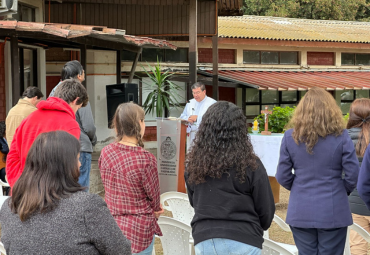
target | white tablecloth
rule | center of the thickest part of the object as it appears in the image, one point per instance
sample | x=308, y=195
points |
x=267, y=148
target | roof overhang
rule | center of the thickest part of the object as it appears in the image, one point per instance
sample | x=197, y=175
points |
x=73, y=36
x=296, y=80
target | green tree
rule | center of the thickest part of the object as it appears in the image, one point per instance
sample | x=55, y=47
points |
x=310, y=9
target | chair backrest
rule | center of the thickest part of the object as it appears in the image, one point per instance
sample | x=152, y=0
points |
x=175, y=239
x=179, y=205
x=270, y=247
x=362, y=232
x=3, y=184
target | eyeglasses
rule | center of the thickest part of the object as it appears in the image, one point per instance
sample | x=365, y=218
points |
x=197, y=93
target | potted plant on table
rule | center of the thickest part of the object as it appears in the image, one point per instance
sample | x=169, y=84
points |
x=278, y=119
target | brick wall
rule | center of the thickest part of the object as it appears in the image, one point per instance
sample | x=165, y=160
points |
x=2, y=84
x=320, y=58
x=150, y=134
x=51, y=82
x=225, y=56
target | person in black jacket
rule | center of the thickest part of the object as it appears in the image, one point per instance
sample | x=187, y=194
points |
x=4, y=150
x=227, y=185
x=359, y=130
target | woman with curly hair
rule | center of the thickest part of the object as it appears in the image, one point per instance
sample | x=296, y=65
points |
x=130, y=177
x=227, y=185
x=313, y=156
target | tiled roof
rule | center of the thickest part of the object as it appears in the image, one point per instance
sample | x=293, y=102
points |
x=70, y=31
x=274, y=28
x=299, y=80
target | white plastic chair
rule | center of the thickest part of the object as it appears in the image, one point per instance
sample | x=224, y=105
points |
x=3, y=185
x=179, y=205
x=362, y=232
x=176, y=237
x=281, y=223
x=270, y=247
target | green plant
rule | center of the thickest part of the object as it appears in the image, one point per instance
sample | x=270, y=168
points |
x=277, y=120
x=163, y=93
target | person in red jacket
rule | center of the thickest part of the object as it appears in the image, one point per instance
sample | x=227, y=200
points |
x=56, y=113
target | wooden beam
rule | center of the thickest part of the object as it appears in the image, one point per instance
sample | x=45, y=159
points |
x=215, y=93
x=244, y=100
x=14, y=62
x=193, y=47
x=118, y=66
x=133, y=68
x=83, y=60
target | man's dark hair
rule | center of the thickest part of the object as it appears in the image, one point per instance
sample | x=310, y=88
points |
x=198, y=85
x=31, y=92
x=71, y=69
x=70, y=89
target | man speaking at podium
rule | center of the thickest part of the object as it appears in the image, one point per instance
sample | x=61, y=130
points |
x=195, y=109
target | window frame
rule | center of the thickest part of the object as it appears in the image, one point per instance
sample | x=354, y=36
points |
x=280, y=98
x=355, y=59
x=279, y=57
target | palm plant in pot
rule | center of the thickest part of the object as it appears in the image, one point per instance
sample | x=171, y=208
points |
x=163, y=92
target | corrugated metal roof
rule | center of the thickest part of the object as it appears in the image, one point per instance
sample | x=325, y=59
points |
x=275, y=28
x=69, y=31
x=299, y=80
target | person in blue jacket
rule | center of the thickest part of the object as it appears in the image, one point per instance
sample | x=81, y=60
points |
x=363, y=185
x=318, y=164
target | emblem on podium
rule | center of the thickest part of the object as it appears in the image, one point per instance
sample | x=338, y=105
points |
x=168, y=149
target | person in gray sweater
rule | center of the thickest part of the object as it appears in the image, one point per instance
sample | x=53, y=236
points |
x=84, y=117
x=49, y=213
x=359, y=130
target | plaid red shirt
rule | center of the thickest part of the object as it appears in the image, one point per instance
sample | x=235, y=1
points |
x=130, y=179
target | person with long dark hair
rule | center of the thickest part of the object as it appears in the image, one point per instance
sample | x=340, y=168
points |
x=314, y=154
x=358, y=127
x=227, y=185
x=130, y=177
x=49, y=214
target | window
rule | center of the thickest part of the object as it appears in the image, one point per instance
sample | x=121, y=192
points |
x=164, y=55
x=355, y=59
x=152, y=55
x=27, y=68
x=348, y=96
x=251, y=57
x=256, y=100
x=178, y=56
x=270, y=57
x=25, y=13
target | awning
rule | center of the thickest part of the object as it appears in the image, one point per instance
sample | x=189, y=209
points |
x=296, y=80
x=70, y=35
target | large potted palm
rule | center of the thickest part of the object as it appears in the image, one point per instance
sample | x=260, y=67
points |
x=163, y=92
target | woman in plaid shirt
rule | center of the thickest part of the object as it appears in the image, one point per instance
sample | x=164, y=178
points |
x=130, y=178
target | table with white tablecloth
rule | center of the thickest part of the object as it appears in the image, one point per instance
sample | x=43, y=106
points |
x=267, y=148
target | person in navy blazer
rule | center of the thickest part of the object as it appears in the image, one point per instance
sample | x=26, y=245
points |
x=318, y=164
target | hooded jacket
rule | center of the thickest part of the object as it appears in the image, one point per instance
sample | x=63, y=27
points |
x=85, y=119
x=52, y=115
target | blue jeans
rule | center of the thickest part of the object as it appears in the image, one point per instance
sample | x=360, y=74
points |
x=147, y=251
x=84, y=179
x=225, y=247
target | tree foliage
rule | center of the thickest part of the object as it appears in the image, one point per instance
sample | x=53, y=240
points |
x=310, y=9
